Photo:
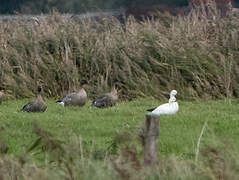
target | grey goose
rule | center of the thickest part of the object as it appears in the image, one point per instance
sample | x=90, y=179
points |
x=76, y=98
x=36, y=105
x=107, y=99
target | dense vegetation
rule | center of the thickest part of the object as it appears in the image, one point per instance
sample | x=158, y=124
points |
x=196, y=54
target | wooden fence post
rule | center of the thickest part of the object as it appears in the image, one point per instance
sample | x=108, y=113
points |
x=150, y=140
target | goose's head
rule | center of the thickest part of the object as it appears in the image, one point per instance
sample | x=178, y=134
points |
x=173, y=93
x=83, y=82
x=2, y=90
x=39, y=89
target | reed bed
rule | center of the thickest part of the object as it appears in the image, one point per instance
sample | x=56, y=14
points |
x=196, y=54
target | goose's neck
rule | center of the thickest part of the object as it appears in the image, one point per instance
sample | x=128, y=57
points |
x=81, y=88
x=39, y=96
x=172, y=99
x=114, y=92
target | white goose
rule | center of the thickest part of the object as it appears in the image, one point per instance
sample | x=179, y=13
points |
x=168, y=108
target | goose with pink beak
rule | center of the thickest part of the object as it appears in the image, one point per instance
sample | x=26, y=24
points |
x=169, y=108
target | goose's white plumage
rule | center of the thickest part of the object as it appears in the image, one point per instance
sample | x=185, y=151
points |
x=169, y=108
x=62, y=103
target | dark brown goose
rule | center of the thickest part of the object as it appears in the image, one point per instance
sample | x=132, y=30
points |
x=1, y=95
x=37, y=105
x=76, y=98
x=107, y=99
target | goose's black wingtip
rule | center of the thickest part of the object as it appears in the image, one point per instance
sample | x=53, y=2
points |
x=150, y=110
x=24, y=108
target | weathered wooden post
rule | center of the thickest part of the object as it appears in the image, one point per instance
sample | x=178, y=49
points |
x=150, y=140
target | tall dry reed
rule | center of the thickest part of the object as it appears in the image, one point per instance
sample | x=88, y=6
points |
x=196, y=54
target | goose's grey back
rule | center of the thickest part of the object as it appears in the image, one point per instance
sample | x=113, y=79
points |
x=37, y=105
x=75, y=99
x=105, y=100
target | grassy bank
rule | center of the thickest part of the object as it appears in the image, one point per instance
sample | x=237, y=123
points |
x=102, y=143
x=196, y=54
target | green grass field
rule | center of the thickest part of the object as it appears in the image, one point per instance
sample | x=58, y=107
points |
x=97, y=127
x=89, y=135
